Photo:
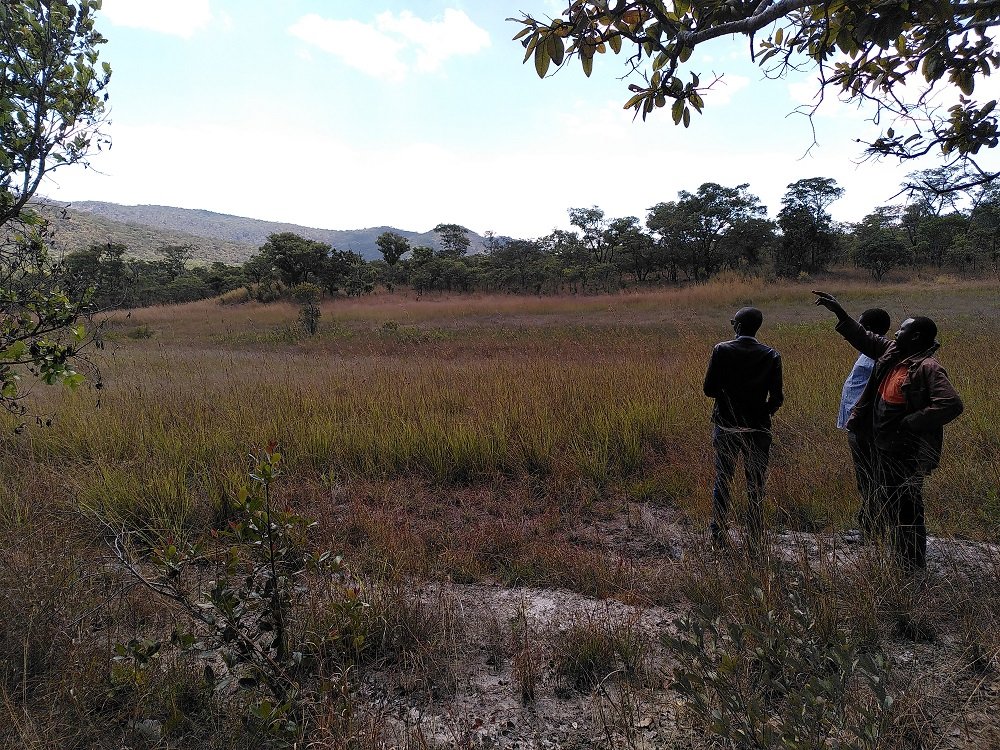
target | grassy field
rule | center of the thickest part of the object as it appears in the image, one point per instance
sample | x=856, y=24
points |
x=525, y=441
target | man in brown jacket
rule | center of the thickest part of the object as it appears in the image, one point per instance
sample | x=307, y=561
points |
x=904, y=408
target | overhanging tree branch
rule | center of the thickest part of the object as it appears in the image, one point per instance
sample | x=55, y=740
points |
x=867, y=50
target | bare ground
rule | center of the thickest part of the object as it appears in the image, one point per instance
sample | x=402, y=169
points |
x=948, y=697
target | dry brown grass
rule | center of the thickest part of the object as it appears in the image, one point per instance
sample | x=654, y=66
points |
x=553, y=443
x=584, y=393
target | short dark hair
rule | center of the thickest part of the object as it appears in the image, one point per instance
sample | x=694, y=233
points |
x=750, y=320
x=925, y=327
x=876, y=320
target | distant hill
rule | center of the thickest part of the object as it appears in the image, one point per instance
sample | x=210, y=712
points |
x=77, y=230
x=213, y=236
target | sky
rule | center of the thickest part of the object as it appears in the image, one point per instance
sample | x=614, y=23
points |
x=345, y=114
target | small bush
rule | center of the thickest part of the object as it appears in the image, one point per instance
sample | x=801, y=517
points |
x=772, y=672
x=141, y=332
x=308, y=295
x=384, y=623
x=527, y=662
x=267, y=291
x=591, y=650
x=237, y=296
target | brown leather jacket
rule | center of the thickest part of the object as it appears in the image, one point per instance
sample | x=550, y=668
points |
x=931, y=400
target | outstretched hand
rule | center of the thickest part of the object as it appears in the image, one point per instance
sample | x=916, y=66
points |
x=827, y=300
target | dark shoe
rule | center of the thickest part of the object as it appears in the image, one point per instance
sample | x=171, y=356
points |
x=720, y=538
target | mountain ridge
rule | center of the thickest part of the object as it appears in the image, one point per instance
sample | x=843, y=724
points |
x=144, y=228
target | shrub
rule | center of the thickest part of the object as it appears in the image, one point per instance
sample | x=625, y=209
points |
x=772, y=673
x=236, y=296
x=242, y=618
x=308, y=295
x=267, y=291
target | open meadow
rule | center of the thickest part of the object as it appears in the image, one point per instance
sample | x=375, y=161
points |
x=519, y=489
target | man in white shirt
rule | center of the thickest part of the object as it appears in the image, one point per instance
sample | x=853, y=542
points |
x=877, y=321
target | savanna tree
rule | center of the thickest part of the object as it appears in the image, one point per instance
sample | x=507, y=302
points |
x=809, y=242
x=633, y=248
x=592, y=224
x=877, y=243
x=52, y=107
x=936, y=235
x=707, y=226
x=454, y=240
x=983, y=234
x=296, y=259
x=393, y=246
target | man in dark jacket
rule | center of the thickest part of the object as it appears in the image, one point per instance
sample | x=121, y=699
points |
x=744, y=378
x=904, y=407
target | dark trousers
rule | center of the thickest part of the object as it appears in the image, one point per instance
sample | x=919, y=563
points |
x=901, y=505
x=755, y=448
x=871, y=519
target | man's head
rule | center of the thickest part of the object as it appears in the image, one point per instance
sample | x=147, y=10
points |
x=747, y=320
x=876, y=320
x=915, y=334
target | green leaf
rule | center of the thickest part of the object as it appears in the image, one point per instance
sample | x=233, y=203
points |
x=530, y=47
x=542, y=60
x=634, y=101
x=966, y=83
x=588, y=64
x=15, y=351
x=677, y=111
x=556, y=50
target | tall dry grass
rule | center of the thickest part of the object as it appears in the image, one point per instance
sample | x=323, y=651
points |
x=603, y=390
x=521, y=440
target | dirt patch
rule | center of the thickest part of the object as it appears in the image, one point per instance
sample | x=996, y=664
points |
x=947, y=691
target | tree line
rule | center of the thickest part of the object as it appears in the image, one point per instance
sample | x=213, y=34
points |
x=691, y=239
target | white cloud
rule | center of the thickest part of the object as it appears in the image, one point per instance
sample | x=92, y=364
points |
x=175, y=17
x=394, y=44
x=356, y=44
x=342, y=184
x=436, y=41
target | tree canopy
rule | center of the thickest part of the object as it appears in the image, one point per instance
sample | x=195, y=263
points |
x=895, y=54
x=454, y=240
x=52, y=93
x=51, y=110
